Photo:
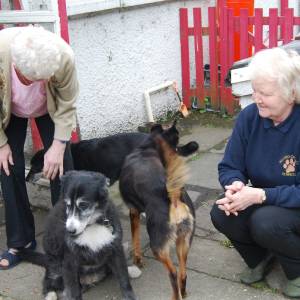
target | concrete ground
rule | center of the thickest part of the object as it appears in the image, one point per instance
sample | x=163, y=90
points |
x=212, y=263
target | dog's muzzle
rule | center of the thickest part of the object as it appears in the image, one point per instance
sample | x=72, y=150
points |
x=74, y=227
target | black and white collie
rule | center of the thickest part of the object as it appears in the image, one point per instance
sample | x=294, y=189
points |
x=83, y=238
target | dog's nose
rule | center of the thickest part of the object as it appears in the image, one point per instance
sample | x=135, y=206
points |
x=71, y=231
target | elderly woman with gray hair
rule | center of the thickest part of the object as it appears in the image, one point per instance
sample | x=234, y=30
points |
x=260, y=210
x=37, y=80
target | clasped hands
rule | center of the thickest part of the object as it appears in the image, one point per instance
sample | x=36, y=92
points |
x=238, y=197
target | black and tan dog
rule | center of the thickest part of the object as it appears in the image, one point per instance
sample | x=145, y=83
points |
x=105, y=155
x=152, y=181
x=83, y=238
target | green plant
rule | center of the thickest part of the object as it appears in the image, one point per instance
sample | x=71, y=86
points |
x=261, y=285
x=167, y=117
x=195, y=157
x=227, y=244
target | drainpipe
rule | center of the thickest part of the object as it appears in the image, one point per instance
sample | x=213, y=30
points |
x=154, y=89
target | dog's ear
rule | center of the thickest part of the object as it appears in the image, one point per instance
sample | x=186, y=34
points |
x=173, y=128
x=174, y=123
x=64, y=182
x=171, y=135
x=103, y=185
x=66, y=177
x=156, y=128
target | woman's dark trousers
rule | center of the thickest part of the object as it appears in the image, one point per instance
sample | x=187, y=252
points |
x=20, y=229
x=260, y=230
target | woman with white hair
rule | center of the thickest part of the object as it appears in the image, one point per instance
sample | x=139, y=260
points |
x=37, y=80
x=260, y=172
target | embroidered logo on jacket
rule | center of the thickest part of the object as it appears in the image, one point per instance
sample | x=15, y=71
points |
x=288, y=163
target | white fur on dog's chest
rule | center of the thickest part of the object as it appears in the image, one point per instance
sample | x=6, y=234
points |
x=95, y=237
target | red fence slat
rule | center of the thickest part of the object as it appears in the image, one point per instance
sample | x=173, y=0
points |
x=283, y=5
x=244, y=33
x=185, y=58
x=288, y=25
x=224, y=43
x=230, y=55
x=1, y=26
x=17, y=5
x=213, y=57
x=258, y=29
x=198, y=43
x=64, y=30
x=273, y=27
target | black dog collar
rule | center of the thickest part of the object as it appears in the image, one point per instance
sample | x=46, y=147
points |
x=105, y=222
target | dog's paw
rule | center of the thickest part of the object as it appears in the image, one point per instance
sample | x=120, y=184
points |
x=138, y=262
x=134, y=271
x=51, y=296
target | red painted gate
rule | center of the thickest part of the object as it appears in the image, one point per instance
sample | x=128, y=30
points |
x=221, y=53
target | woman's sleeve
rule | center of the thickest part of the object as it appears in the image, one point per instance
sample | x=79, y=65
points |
x=232, y=167
x=284, y=196
x=66, y=92
x=3, y=137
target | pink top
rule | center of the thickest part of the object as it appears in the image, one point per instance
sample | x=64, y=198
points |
x=28, y=101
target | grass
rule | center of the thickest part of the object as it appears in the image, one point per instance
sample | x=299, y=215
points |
x=261, y=285
x=195, y=157
x=212, y=119
x=203, y=117
x=226, y=243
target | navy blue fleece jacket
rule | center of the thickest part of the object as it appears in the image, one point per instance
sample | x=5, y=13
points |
x=266, y=155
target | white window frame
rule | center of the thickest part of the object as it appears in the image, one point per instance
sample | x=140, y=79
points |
x=32, y=17
x=78, y=7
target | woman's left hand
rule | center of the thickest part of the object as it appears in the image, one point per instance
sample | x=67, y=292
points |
x=242, y=199
x=54, y=160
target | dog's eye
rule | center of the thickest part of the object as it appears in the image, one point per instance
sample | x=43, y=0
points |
x=68, y=207
x=83, y=205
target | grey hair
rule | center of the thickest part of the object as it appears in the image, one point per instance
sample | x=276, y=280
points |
x=278, y=65
x=35, y=53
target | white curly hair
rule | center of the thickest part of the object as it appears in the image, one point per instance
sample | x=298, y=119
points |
x=280, y=65
x=35, y=53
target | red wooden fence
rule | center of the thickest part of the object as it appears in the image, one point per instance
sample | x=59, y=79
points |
x=221, y=52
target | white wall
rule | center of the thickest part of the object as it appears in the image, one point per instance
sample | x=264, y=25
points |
x=120, y=54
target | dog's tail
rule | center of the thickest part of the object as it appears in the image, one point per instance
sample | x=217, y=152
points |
x=36, y=258
x=177, y=174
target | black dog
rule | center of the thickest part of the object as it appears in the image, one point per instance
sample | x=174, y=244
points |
x=152, y=181
x=105, y=155
x=83, y=237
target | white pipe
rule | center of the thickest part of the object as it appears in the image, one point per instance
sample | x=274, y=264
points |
x=147, y=93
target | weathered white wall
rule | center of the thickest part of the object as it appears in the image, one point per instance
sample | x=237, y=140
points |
x=119, y=55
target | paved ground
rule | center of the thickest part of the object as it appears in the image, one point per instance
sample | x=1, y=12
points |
x=212, y=263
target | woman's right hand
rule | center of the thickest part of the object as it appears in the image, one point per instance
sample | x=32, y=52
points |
x=231, y=189
x=234, y=187
x=5, y=158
